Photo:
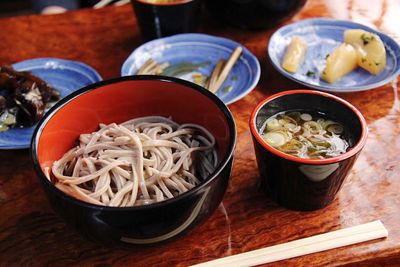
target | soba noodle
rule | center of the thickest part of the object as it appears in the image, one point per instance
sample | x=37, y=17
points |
x=138, y=162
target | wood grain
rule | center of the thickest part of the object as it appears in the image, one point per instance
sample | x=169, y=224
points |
x=31, y=235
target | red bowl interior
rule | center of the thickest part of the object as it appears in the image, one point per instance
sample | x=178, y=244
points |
x=124, y=100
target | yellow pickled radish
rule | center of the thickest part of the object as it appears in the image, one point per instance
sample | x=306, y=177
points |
x=342, y=61
x=370, y=49
x=294, y=54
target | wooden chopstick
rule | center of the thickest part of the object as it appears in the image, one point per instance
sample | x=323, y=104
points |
x=144, y=66
x=227, y=68
x=160, y=68
x=151, y=67
x=121, y=2
x=215, y=74
x=102, y=3
x=304, y=246
x=147, y=67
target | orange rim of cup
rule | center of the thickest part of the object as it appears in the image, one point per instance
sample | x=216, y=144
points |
x=162, y=3
x=354, y=150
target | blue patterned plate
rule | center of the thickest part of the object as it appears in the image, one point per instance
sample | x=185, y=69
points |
x=65, y=75
x=322, y=37
x=201, y=49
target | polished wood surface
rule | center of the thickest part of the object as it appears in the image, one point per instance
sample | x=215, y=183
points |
x=31, y=235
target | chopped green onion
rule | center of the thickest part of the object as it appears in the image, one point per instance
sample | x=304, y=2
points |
x=290, y=126
x=273, y=124
x=310, y=74
x=366, y=39
x=335, y=128
x=306, y=117
x=292, y=146
x=313, y=126
x=275, y=139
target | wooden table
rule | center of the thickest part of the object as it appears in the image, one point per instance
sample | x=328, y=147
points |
x=30, y=234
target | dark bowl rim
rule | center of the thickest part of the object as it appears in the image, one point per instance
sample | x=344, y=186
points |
x=354, y=150
x=49, y=114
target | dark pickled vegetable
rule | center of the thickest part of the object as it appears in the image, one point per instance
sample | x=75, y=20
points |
x=24, y=96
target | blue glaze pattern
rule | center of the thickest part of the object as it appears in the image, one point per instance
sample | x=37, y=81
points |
x=200, y=48
x=65, y=75
x=322, y=37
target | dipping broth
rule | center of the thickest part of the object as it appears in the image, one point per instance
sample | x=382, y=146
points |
x=306, y=134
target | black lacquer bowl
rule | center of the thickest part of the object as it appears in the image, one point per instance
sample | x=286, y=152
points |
x=118, y=100
x=253, y=14
x=299, y=183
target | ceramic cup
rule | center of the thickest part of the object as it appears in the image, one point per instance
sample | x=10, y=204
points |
x=298, y=183
x=160, y=18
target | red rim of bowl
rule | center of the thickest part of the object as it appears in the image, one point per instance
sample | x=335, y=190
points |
x=354, y=150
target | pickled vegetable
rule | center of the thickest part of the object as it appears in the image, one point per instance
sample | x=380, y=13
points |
x=23, y=98
x=339, y=63
x=294, y=54
x=371, y=53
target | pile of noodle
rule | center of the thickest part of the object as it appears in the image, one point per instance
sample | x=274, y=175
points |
x=138, y=162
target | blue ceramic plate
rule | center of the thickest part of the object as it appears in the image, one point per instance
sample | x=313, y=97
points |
x=64, y=75
x=322, y=37
x=201, y=49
